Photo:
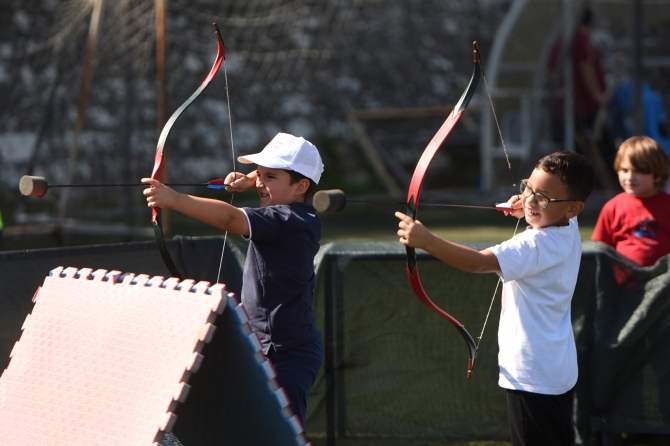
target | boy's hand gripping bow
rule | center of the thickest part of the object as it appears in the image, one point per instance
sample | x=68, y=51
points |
x=413, y=204
x=158, y=161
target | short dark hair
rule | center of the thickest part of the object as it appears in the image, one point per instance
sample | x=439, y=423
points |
x=296, y=176
x=574, y=170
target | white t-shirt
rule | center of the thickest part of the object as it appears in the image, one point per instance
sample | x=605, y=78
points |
x=537, y=347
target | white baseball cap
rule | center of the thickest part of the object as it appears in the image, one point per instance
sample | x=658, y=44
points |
x=289, y=152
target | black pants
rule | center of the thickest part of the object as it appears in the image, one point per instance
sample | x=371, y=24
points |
x=540, y=420
x=296, y=371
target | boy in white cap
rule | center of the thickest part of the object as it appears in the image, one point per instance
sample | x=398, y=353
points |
x=283, y=234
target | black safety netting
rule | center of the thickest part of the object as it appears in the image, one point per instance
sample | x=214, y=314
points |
x=622, y=323
x=395, y=372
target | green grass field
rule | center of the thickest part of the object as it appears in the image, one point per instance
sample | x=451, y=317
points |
x=357, y=222
x=370, y=223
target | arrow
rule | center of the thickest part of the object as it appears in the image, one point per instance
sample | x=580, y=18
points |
x=335, y=200
x=37, y=186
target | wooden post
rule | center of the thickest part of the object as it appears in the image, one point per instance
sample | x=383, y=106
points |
x=93, y=31
x=162, y=97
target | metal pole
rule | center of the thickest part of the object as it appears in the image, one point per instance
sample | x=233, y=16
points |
x=569, y=82
x=638, y=121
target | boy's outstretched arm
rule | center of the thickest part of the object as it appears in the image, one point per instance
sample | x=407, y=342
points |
x=213, y=212
x=412, y=233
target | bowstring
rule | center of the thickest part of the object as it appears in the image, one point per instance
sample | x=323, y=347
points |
x=509, y=167
x=232, y=148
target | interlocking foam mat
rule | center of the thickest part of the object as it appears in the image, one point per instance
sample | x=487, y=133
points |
x=107, y=358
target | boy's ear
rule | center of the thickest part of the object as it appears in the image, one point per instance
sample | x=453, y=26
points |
x=657, y=181
x=575, y=208
x=302, y=187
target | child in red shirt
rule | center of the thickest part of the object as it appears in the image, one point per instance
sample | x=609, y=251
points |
x=637, y=221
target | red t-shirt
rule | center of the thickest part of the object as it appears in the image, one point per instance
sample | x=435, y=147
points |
x=637, y=228
x=583, y=50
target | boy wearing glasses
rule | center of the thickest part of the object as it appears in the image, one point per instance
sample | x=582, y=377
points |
x=537, y=355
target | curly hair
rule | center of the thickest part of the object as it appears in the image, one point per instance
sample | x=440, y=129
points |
x=574, y=170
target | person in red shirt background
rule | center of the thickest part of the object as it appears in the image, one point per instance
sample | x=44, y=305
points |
x=637, y=221
x=590, y=88
x=590, y=99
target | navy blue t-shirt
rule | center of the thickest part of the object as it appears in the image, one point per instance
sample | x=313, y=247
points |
x=279, y=278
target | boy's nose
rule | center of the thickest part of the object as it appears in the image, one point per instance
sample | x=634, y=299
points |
x=530, y=201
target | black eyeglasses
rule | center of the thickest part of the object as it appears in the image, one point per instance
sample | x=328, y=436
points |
x=540, y=199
